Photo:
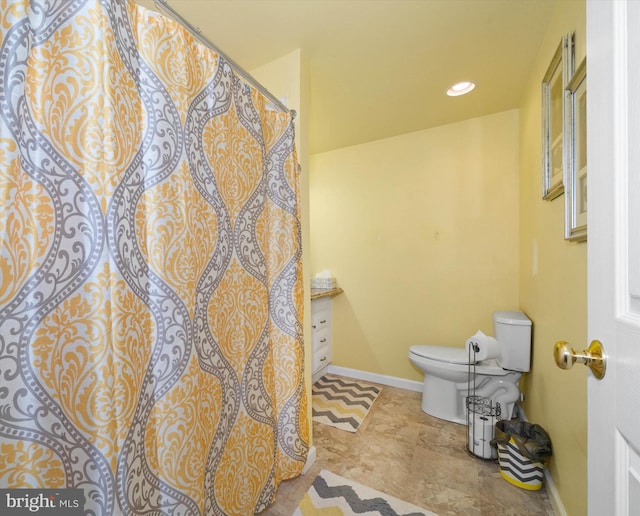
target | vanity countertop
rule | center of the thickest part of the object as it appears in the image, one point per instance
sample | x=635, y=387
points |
x=317, y=293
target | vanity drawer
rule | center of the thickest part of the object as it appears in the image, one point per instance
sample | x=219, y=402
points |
x=321, y=338
x=321, y=358
x=321, y=318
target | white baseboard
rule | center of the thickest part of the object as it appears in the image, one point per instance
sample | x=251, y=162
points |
x=392, y=381
x=311, y=459
x=550, y=486
x=554, y=497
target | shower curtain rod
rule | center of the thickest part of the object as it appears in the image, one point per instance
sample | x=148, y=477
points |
x=197, y=32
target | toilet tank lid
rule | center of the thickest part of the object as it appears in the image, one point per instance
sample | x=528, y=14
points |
x=515, y=318
x=442, y=354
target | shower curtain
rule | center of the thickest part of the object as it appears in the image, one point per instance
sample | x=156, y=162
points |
x=150, y=259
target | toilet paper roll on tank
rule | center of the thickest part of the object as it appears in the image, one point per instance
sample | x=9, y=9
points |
x=482, y=347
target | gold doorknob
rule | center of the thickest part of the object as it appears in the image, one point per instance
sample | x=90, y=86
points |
x=593, y=357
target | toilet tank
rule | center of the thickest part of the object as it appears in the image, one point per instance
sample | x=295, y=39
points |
x=512, y=330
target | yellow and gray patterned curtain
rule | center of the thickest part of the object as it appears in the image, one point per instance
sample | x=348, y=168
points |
x=150, y=267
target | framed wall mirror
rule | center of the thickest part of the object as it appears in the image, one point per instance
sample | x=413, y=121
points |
x=553, y=118
x=575, y=179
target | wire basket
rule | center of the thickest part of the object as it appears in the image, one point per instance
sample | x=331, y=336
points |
x=323, y=283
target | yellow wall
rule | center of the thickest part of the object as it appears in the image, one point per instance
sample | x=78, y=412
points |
x=289, y=77
x=421, y=231
x=553, y=286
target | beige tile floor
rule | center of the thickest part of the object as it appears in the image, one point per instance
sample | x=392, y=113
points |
x=408, y=454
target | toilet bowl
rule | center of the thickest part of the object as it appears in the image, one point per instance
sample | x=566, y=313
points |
x=450, y=374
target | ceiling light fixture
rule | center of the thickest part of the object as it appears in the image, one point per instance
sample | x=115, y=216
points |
x=460, y=89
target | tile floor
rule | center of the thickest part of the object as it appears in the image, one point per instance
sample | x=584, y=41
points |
x=403, y=452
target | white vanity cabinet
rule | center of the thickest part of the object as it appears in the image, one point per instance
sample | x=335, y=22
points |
x=321, y=335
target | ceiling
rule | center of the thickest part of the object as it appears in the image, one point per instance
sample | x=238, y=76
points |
x=380, y=68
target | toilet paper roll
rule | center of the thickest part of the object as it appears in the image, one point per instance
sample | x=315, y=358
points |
x=482, y=347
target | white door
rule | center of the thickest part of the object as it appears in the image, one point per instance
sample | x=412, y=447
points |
x=613, y=142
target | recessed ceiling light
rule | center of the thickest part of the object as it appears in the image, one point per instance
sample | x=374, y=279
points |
x=460, y=89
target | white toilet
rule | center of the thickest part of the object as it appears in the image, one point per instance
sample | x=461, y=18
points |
x=447, y=378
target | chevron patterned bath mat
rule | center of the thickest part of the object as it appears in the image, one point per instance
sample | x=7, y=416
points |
x=342, y=402
x=332, y=495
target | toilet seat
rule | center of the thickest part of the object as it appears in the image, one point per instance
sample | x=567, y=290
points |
x=458, y=360
x=443, y=354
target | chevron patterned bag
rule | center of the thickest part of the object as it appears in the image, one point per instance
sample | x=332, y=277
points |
x=524, y=449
